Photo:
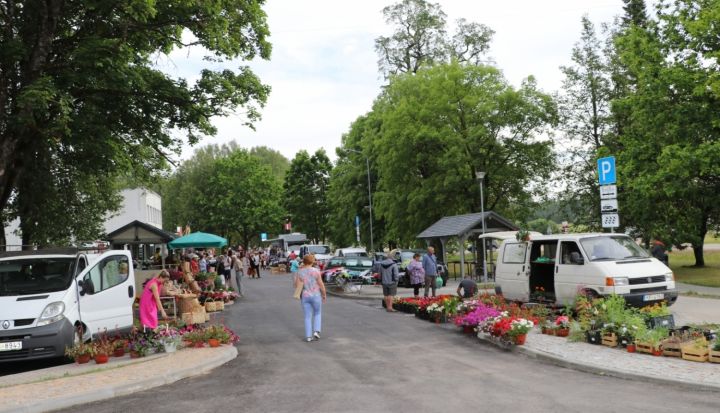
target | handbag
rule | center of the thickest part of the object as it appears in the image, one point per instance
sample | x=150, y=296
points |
x=298, y=291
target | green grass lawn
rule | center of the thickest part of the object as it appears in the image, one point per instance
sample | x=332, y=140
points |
x=712, y=238
x=708, y=276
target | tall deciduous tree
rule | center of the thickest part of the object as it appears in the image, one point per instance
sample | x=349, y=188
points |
x=671, y=144
x=584, y=105
x=80, y=92
x=224, y=190
x=421, y=38
x=247, y=197
x=277, y=162
x=306, y=193
x=440, y=126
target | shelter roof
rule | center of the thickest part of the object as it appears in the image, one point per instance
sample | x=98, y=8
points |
x=462, y=225
x=138, y=232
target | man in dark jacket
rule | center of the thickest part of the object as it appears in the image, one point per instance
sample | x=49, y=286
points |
x=389, y=274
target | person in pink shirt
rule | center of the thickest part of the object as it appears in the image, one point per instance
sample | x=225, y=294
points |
x=150, y=301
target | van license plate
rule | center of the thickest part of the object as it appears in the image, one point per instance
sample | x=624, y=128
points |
x=653, y=297
x=12, y=345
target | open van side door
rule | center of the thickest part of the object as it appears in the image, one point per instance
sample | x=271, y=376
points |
x=513, y=272
x=107, y=291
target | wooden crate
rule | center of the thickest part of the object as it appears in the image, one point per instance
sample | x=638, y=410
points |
x=610, y=340
x=694, y=352
x=671, y=348
x=714, y=356
x=643, y=347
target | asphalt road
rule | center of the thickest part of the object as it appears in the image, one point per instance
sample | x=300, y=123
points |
x=372, y=361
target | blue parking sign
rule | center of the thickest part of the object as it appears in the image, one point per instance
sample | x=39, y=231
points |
x=263, y=236
x=606, y=170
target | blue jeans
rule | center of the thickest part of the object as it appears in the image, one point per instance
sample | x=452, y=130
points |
x=312, y=306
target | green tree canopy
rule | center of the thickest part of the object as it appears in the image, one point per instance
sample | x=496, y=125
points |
x=421, y=38
x=306, y=186
x=430, y=132
x=668, y=165
x=224, y=191
x=80, y=94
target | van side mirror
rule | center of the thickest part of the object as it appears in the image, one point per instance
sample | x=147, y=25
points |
x=576, y=258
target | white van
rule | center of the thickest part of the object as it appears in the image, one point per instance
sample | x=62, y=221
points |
x=351, y=252
x=557, y=267
x=47, y=295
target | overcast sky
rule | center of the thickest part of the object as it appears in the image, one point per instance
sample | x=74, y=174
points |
x=323, y=70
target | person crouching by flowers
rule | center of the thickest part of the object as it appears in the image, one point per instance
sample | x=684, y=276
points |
x=150, y=301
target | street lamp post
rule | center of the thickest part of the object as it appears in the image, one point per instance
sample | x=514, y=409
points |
x=481, y=177
x=367, y=163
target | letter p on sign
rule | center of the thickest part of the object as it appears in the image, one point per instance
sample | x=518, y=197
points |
x=606, y=170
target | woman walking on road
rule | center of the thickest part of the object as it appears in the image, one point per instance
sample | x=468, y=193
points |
x=312, y=298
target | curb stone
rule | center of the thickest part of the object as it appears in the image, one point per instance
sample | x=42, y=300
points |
x=227, y=354
x=562, y=362
x=559, y=361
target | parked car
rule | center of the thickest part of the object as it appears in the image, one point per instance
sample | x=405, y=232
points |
x=403, y=259
x=598, y=264
x=48, y=295
x=358, y=268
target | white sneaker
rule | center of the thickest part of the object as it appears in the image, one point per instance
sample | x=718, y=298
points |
x=309, y=339
x=316, y=335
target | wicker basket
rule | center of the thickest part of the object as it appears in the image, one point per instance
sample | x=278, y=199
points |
x=219, y=305
x=210, y=305
x=194, y=318
x=188, y=303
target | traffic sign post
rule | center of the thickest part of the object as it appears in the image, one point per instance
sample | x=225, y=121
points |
x=607, y=178
x=357, y=228
x=606, y=170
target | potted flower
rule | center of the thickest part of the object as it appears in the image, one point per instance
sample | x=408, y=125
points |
x=102, y=347
x=562, y=326
x=523, y=235
x=80, y=352
x=169, y=338
x=119, y=345
x=195, y=337
x=139, y=345
x=658, y=315
x=518, y=330
x=435, y=311
x=217, y=334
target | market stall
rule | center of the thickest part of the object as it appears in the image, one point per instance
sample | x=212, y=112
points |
x=200, y=293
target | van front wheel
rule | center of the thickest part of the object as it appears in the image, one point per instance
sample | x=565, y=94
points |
x=591, y=294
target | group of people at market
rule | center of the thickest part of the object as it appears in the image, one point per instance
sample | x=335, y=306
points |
x=231, y=264
x=422, y=271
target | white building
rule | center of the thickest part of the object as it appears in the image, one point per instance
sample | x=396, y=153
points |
x=138, y=204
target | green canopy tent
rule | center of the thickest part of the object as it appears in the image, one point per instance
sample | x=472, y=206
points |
x=198, y=240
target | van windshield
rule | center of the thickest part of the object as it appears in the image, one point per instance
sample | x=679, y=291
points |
x=612, y=248
x=35, y=276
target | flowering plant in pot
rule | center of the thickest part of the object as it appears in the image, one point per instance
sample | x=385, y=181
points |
x=169, y=338
x=80, y=352
x=518, y=330
x=139, y=344
x=562, y=326
x=196, y=337
x=102, y=349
